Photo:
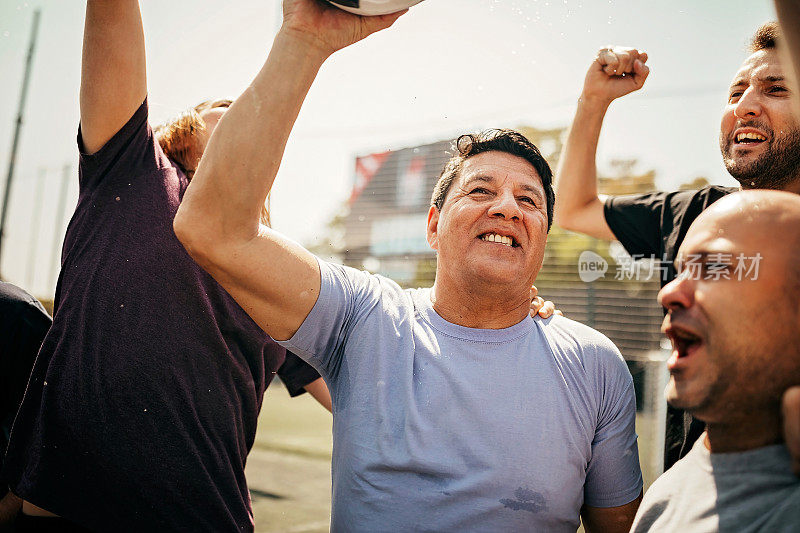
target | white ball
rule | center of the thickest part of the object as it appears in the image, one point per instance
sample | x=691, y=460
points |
x=373, y=7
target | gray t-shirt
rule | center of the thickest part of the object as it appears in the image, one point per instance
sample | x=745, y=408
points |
x=742, y=492
x=439, y=427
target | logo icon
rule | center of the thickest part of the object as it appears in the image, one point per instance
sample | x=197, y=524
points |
x=591, y=266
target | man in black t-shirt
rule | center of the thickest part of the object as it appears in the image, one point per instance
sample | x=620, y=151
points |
x=23, y=325
x=760, y=143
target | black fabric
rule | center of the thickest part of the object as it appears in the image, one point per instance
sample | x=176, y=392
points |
x=654, y=225
x=296, y=374
x=23, y=325
x=44, y=524
x=142, y=405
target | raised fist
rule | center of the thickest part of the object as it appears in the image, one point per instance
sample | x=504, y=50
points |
x=615, y=72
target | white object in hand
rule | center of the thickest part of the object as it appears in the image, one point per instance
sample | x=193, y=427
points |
x=373, y=7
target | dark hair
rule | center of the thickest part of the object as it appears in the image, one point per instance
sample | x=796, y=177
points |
x=495, y=140
x=765, y=38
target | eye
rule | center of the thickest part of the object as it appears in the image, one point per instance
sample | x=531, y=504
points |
x=479, y=190
x=734, y=95
x=713, y=270
x=527, y=199
x=777, y=89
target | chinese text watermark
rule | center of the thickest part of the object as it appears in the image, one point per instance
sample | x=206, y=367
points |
x=707, y=266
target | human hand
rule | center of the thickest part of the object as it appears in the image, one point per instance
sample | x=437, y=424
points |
x=539, y=306
x=791, y=425
x=615, y=72
x=329, y=28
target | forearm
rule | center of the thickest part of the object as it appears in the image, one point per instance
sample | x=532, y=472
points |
x=319, y=391
x=10, y=506
x=243, y=155
x=113, y=70
x=576, y=185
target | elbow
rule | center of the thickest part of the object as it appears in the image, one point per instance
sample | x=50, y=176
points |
x=193, y=236
x=563, y=217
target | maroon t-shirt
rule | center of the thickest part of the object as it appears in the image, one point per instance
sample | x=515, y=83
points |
x=142, y=405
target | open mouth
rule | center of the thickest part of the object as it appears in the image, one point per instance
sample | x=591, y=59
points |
x=504, y=240
x=684, y=342
x=749, y=138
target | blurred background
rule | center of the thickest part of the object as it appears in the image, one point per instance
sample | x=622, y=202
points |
x=373, y=135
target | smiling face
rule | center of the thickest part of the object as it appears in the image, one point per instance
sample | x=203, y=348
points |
x=492, y=227
x=735, y=341
x=759, y=136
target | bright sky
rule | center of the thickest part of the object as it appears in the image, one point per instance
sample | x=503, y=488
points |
x=447, y=67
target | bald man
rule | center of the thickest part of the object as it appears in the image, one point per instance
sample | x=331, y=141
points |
x=733, y=316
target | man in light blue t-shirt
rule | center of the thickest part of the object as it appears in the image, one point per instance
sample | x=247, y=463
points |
x=454, y=410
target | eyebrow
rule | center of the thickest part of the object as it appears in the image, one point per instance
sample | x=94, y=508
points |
x=701, y=256
x=489, y=179
x=765, y=79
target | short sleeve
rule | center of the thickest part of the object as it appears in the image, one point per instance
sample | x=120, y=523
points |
x=296, y=374
x=614, y=476
x=655, y=224
x=635, y=221
x=346, y=296
x=132, y=151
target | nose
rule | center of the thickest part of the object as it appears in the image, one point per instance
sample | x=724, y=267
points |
x=506, y=206
x=678, y=293
x=749, y=104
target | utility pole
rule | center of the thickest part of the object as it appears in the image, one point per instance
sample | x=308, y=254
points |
x=18, y=126
x=62, y=205
x=36, y=217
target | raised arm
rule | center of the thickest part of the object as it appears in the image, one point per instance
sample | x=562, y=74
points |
x=274, y=279
x=614, y=73
x=113, y=77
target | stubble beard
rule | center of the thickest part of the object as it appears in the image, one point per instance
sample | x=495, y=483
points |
x=776, y=168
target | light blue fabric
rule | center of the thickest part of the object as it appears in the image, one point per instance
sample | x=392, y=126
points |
x=438, y=427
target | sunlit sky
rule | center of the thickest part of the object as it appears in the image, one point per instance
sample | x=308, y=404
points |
x=447, y=67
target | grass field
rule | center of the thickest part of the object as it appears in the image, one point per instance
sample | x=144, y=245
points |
x=289, y=468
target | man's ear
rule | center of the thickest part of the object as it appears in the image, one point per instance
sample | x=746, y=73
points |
x=433, y=228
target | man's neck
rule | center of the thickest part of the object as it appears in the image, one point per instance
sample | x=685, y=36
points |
x=794, y=187
x=482, y=307
x=743, y=434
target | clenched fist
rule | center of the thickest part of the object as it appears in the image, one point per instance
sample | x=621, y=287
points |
x=615, y=72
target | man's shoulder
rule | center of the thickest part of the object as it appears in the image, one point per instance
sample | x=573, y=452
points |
x=14, y=298
x=568, y=336
x=366, y=286
x=704, y=197
x=674, y=198
x=566, y=330
x=786, y=516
